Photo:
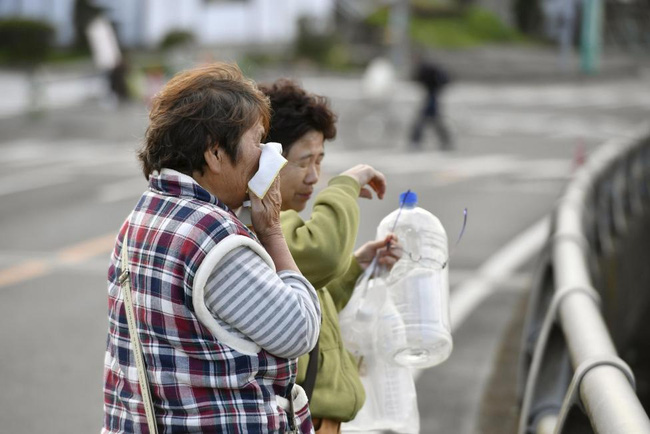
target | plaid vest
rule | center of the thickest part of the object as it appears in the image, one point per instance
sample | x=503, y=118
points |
x=197, y=383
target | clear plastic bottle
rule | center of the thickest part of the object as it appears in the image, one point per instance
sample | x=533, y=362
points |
x=418, y=287
x=391, y=399
x=390, y=328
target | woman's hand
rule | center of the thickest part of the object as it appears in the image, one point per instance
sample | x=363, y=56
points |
x=265, y=213
x=389, y=252
x=265, y=216
x=366, y=175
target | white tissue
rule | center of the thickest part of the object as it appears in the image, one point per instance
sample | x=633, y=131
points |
x=271, y=162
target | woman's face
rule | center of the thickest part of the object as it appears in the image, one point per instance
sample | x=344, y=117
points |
x=302, y=171
x=237, y=175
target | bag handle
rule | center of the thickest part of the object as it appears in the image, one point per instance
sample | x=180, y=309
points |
x=125, y=283
x=312, y=371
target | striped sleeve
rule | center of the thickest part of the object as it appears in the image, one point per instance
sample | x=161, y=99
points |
x=280, y=312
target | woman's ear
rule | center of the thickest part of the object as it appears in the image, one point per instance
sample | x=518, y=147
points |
x=214, y=159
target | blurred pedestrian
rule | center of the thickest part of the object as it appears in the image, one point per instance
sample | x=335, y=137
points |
x=108, y=57
x=433, y=78
x=117, y=78
x=221, y=313
x=323, y=245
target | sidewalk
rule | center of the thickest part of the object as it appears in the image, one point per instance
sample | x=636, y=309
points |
x=86, y=119
x=51, y=90
x=527, y=63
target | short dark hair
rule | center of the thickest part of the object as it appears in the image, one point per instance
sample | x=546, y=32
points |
x=198, y=108
x=295, y=112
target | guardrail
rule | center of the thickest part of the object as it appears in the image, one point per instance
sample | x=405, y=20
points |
x=586, y=336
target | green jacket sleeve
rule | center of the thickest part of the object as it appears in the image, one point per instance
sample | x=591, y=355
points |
x=341, y=288
x=322, y=245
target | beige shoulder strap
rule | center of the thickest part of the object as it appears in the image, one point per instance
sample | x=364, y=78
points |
x=125, y=283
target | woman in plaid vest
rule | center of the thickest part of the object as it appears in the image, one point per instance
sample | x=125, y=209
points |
x=221, y=313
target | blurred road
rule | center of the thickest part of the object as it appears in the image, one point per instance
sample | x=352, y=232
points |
x=69, y=177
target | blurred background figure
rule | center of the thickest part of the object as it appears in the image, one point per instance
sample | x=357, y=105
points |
x=117, y=81
x=108, y=58
x=433, y=78
x=378, y=86
x=560, y=22
x=379, y=79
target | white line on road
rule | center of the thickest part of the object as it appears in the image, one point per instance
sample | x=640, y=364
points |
x=504, y=263
x=461, y=166
x=11, y=185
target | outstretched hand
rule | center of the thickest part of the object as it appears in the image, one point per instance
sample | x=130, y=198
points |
x=388, y=248
x=367, y=175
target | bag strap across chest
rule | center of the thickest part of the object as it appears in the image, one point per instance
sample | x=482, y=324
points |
x=125, y=284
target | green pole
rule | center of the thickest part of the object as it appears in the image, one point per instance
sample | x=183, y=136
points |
x=591, y=38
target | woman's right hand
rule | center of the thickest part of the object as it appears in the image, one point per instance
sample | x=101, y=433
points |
x=367, y=175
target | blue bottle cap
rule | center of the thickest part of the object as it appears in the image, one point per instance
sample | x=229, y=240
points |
x=408, y=198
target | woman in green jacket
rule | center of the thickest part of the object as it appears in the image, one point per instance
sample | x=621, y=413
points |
x=323, y=245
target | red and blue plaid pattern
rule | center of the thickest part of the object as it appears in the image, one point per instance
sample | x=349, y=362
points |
x=198, y=384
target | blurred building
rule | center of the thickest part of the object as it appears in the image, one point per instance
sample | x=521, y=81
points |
x=144, y=23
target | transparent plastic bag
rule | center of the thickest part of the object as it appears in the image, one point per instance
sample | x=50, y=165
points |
x=358, y=320
x=391, y=400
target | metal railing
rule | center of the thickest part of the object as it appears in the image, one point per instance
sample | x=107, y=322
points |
x=575, y=380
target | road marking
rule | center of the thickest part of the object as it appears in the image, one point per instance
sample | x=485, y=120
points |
x=471, y=293
x=11, y=186
x=24, y=271
x=447, y=169
x=71, y=255
x=83, y=251
x=498, y=271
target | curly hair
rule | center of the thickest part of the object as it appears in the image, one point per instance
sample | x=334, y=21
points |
x=197, y=109
x=295, y=112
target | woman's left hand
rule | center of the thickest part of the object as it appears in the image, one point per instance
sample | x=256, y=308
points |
x=265, y=213
x=388, y=249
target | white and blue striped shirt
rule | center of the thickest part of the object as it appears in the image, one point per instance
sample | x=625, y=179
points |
x=274, y=310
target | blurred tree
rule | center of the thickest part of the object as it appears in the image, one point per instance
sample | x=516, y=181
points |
x=84, y=12
x=458, y=27
x=176, y=38
x=25, y=43
x=323, y=48
x=309, y=44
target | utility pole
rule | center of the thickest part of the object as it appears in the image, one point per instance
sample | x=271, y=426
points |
x=398, y=24
x=591, y=38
